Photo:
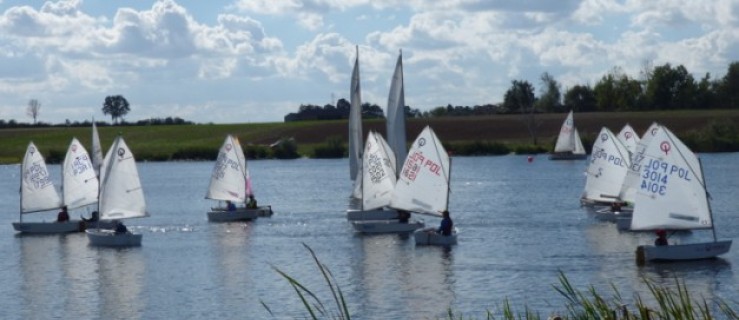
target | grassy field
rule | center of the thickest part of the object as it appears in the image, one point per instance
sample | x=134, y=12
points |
x=161, y=142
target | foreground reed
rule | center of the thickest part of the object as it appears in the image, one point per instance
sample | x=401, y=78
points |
x=669, y=303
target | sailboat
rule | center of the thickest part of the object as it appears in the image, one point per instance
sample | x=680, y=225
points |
x=606, y=171
x=378, y=183
x=230, y=181
x=423, y=185
x=356, y=159
x=569, y=145
x=673, y=195
x=80, y=186
x=633, y=178
x=121, y=196
x=38, y=194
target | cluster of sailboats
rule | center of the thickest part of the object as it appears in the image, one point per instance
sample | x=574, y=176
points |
x=112, y=186
x=390, y=184
x=653, y=183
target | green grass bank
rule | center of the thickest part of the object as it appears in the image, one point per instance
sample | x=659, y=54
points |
x=702, y=130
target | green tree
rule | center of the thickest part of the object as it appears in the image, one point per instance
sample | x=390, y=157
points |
x=671, y=88
x=580, y=98
x=550, y=98
x=520, y=97
x=116, y=106
x=728, y=87
x=617, y=92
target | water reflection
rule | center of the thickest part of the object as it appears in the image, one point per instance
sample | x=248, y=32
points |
x=232, y=242
x=39, y=269
x=80, y=276
x=121, y=282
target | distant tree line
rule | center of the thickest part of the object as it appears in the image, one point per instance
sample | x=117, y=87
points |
x=153, y=121
x=664, y=87
x=341, y=111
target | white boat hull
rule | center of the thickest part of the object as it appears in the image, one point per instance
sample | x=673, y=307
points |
x=386, y=226
x=429, y=237
x=102, y=224
x=379, y=214
x=240, y=214
x=109, y=238
x=682, y=252
x=49, y=227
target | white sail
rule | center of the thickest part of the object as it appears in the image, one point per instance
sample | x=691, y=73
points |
x=37, y=189
x=423, y=185
x=121, y=195
x=79, y=181
x=244, y=168
x=629, y=138
x=97, y=150
x=566, y=138
x=671, y=193
x=579, y=148
x=355, y=122
x=396, y=115
x=632, y=179
x=379, y=174
x=228, y=180
x=606, y=171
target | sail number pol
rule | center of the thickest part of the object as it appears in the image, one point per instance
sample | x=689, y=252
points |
x=656, y=173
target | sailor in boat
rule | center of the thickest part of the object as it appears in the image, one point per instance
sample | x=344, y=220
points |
x=63, y=215
x=403, y=216
x=230, y=206
x=94, y=217
x=447, y=224
x=252, y=203
x=661, y=238
x=616, y=206
x=120, y=228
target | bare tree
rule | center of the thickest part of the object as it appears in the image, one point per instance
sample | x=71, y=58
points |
x=33, y=109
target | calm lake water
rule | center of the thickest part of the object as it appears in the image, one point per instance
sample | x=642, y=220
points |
x=520, y=225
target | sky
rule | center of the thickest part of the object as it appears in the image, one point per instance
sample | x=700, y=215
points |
x=249, y=61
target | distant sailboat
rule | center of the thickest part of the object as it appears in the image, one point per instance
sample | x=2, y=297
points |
x=230, y=181
x=568, y=146
x=37, y=194
x=673, y=195
x=378, y=182
x=121, y=196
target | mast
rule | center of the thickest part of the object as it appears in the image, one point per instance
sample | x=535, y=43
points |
x=708, y=198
